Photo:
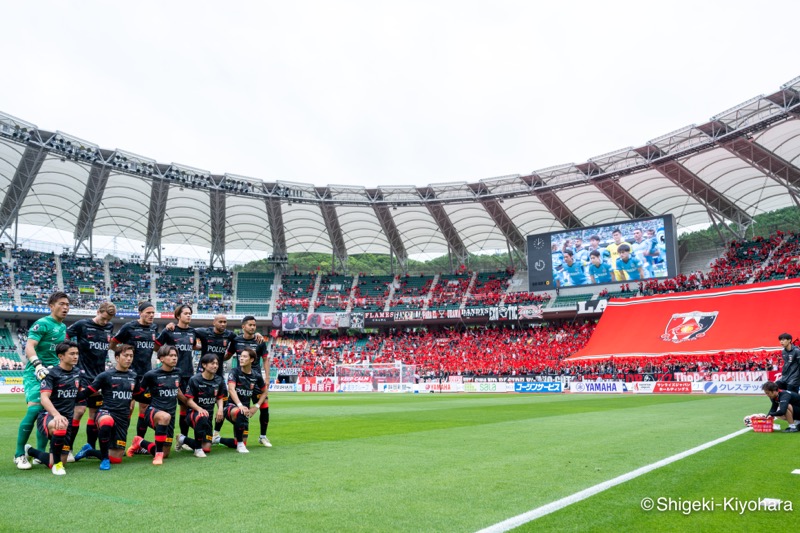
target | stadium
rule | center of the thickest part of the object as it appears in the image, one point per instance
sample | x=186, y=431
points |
x=475, y=379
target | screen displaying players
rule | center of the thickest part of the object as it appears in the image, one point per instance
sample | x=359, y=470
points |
x=624, y=252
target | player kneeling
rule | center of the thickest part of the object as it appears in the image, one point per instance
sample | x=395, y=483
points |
x=112, y=419
x=202, y=393
x=242, y=383
x=162, y=386
x=59, y=391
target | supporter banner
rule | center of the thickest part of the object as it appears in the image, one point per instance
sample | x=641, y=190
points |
x=731, y=387
x=672, y=387
x=357, y=320
x=602, y=387
x=493, y=314
x=732, y=319
x=296, y=321
x=543, y=386
x=12, y=389
x=282, y=387
x=757, y=375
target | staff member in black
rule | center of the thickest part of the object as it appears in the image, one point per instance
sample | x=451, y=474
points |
x=785, y=404
x=790, y=375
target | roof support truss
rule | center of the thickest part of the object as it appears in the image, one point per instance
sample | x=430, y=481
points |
x=95, y=187
x=275, y=218
x=335, y=232
x=390, y=230
x=559, y=209
x=155, y=219
x=218, y=217
x=713, y=200
x=449, y=231
x=18, y=189
x=622, y=199
x=504, y=223
x=767, y=162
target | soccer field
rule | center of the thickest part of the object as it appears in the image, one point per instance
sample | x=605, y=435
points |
x=380, y=462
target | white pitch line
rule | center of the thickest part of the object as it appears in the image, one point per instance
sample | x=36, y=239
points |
x=539, y=512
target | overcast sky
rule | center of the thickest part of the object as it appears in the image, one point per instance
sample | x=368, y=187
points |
x=383, y=93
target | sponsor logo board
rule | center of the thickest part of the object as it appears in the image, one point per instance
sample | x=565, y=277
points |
x=542, y=386
x=597, y=387
x=672, y=387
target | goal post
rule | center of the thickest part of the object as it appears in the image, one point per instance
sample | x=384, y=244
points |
x=375, y=377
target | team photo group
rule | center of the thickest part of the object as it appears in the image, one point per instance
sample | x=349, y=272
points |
x=68, y=378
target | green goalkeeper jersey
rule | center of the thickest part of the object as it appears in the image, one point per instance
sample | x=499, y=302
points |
x=47, y=332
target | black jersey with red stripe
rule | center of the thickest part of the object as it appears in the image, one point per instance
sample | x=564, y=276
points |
x=63, y=386
x=240, y=343
x=183, y=340
x=206, y=392
x=143, y=340
x=117, y=388
x=245, y=384
x=162, y=387
x=92, y=339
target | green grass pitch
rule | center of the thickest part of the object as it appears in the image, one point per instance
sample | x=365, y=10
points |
x=382, y=462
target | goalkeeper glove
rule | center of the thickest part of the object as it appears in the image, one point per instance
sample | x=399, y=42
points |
x=39, y=369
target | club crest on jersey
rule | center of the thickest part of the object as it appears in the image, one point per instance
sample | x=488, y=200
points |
x=35, y=327
x=77, y=383
x=177, y=383
x=689, y=326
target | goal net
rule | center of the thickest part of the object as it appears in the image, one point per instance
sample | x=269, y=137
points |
x=375, y=377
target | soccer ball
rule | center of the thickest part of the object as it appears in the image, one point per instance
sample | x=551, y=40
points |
x=747, y=421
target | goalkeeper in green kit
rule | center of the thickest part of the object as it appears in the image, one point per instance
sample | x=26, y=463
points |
x=40, y=351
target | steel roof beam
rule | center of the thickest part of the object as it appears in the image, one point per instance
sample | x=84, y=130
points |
x=392, y=234
x=622, y=199
x=335, y=233
x=155, y=219
x=276, y=227
x=558, y=209
x=766, y=161
x=218, y=206
x=20, y=186
x=705, y=194
x=448, y=230
x=92, y=197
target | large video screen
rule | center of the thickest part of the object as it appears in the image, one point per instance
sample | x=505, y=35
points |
x=616, y=253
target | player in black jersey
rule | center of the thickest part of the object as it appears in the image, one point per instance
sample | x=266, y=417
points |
x=249, y=339
x=162, y=387
x=58, y=393
x=243, y=381
x=141, y=334
x=93, y=336
x=183, y=337
x=117, y=387
x=203, y=392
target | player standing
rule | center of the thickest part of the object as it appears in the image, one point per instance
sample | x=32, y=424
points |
x=93, y=336
x=58, y=391
x=613, y=253
x=112, y=419
x=629, y=266
x=141, y=334
x=203, y=392
x=162, y=386
x=249, y=339
x=243, y=382
x=43, y=336
x=183, y=337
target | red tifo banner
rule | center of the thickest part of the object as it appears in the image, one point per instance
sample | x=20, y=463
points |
x=731, y=319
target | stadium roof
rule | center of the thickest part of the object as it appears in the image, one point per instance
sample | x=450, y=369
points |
x=740, y=163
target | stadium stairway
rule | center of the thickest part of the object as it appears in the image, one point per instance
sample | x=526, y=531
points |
x=468, y=291
x=59, y=273
x=276, y=285
x=312, y=302
x=392, y=288
x=352, y=290
x=430, y=293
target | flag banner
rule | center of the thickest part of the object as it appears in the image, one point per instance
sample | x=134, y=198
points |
x=731, y=319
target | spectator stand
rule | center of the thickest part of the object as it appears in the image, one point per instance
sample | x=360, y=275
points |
x=215, y=291
x=296, y=292
x=449, y=291
x=411, y=292
x=36, y=275
x=130, y=283
x=84, y=280
x=333, y=294
x=253, y=293
x=371, y=292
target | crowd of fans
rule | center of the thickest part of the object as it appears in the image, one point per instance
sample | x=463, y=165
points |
x=84, y=280
x=35, y=274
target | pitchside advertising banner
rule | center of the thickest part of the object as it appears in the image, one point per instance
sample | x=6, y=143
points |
x=542, y=386
x=492, y=314
x=732, y=319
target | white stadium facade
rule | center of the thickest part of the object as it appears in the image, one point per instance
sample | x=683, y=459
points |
x=723, y=171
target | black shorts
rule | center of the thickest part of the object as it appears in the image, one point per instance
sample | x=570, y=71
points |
x=149, y=416
x=121, y=422
x=92, y=402
x=193, y=418
x=785, y=386
x=229, y=413
x=41, y=423
x=185, y=383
